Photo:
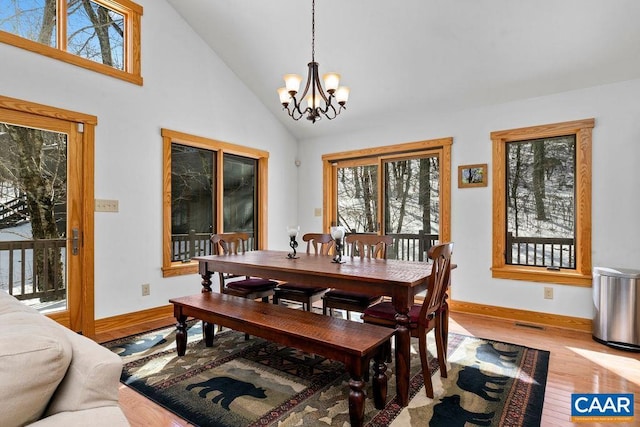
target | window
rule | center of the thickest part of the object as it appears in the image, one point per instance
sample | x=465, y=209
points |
x=100, y=35
x=209, y=187
x=542, y=203
x=401, y=190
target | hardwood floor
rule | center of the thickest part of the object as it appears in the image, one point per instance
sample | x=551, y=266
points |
x=577, y=365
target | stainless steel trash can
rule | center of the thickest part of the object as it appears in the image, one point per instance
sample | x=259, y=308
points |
x=616, y=300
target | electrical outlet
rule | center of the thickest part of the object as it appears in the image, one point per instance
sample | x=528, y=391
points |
x=146, y=289
x=104, y=205
x=548, y=293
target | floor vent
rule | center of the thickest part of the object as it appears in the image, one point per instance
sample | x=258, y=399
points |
x=527, y=325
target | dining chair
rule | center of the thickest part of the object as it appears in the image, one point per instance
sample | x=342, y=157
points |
x=241, y=286
x=306, y=294
x=364, y=246
x=433, y=313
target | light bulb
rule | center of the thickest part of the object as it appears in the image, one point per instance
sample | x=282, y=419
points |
x=292, y=82
x=342, y=95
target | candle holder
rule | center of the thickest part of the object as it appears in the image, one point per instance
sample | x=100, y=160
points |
x=338, y=233
x=293, y=233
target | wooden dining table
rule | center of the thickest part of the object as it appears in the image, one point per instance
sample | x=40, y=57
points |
x=400, y=280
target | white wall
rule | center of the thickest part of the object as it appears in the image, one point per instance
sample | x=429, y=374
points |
x=616, y=193
x=186, y=88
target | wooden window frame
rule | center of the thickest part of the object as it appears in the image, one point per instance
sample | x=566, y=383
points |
x=581, y=275
x=377, y=155
x=132, y=13
x=177, y=268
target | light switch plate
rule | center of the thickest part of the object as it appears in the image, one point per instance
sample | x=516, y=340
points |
x=105, y=205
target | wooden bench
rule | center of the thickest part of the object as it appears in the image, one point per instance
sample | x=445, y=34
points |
x=352, y=343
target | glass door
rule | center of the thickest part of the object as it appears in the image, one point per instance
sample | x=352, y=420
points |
x=412, y=204
x=40, y=210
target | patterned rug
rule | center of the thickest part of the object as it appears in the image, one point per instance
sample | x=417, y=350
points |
x=254, y=382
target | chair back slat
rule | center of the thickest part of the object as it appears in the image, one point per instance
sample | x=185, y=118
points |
x=322, y=243
x=369, y=245
x=438, y=280
x=229, y=243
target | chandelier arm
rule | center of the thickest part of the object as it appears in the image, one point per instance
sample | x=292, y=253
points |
x=328, y=105
x=297, y=108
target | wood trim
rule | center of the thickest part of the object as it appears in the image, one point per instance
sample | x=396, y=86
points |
x=524, y=316
x=88, y=231
x=583, y=199
x=542, y=275
x=136, y=318
x=219, y=193
x=445, y=192
x=388, y=149
x=46, y=111
x=581, y=276
x=213, y=144
x=61, y=23
x=263, y=205
x=329, y=194
x=542, y=131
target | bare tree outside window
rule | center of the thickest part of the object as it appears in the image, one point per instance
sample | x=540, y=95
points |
x=412, y=196
x=94, y=31
x=541, y=202
x=358, y=198
x=33, y=192
x=31, y=19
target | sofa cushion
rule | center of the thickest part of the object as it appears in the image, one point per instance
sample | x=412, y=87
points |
x=105, y=416
x=8, y=304
x=34, y=357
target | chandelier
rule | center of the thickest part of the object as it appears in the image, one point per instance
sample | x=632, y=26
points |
x=318, y=102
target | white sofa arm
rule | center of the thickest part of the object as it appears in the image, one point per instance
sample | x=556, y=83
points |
x=92, y=379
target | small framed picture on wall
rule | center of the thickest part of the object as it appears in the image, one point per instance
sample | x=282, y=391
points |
x=472, y=175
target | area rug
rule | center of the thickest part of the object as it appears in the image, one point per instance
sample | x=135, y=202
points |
x=240, y=382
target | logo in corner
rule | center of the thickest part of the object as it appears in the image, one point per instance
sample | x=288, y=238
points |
x=602, y=407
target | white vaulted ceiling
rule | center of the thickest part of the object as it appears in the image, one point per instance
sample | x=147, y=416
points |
x=404, y=56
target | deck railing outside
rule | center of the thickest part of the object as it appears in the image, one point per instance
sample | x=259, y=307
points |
x=411, y=247
x=18, y=274
x=540, y=251
x=186, y=246
x=408, y=246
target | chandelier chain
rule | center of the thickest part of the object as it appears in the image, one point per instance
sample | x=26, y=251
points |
x=313, y=30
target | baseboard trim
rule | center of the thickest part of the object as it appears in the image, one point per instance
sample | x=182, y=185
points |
x=109, y=324
x=524, y=316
